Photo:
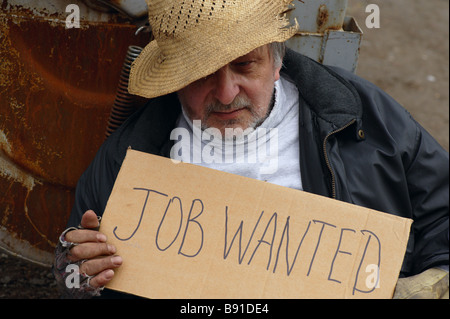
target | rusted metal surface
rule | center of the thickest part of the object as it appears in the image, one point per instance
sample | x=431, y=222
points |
x=333, y=47
x=322, y=19
x=326, y=34
x=57, y=87
x=318, y=16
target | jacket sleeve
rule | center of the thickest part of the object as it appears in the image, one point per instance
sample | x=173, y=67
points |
x=418, y=172
x=424, y=183
x=428, y=183
x=95, y=184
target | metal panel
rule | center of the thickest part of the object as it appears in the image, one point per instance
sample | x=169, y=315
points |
x=309, y=44
x=342, y=48
x=316, y=16
x=326, y=35
x=332, y=47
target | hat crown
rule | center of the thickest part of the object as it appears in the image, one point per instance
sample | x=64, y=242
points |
x=173, y=18
x=194, y=38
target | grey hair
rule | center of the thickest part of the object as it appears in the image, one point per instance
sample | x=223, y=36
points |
x=278, y=50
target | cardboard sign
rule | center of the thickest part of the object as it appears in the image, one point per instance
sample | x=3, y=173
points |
x=186, y=231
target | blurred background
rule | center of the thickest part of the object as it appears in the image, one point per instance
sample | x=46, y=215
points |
x=61, y=94
x=408, y=57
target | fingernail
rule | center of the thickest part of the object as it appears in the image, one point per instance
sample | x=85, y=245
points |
x=116, y=260
x=101, y=238
x=109, y=274
x=111, y=249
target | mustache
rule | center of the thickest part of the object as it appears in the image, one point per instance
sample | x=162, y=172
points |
x=238, y=103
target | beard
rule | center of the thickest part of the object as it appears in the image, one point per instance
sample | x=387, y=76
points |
x=240, y=102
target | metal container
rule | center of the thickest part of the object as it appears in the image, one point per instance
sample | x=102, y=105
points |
x=326, y=34
x=57, y=88
x=333, y=47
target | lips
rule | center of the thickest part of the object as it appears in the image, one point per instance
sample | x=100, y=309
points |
x=228, y=115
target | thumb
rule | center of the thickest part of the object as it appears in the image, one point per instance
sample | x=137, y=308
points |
x=90, y=220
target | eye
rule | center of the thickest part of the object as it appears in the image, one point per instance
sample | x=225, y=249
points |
x=242, y=63
x=243, y=66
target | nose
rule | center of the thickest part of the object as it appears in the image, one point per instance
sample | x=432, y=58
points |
x=226, y=86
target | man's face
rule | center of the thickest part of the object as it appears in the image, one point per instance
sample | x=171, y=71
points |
x=238, y=95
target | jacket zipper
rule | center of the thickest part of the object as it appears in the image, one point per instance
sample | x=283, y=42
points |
x=333, y=177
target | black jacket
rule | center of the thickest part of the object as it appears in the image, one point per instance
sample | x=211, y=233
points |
x=356, y=144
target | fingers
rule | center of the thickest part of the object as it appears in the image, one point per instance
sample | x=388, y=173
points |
x=101, y=269
x=91, y=250
x=102, y=278
x=96, y=266
x=97, y=256
x=85, y=235
x=90, y=243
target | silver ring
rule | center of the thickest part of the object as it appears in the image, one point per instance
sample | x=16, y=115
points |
x=64, y=243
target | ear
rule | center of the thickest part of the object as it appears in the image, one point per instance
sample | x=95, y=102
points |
x=276, y=73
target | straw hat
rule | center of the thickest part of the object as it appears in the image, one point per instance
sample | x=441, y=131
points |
x=195, y=38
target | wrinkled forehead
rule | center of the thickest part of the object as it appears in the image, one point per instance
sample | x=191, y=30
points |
x=261, y=53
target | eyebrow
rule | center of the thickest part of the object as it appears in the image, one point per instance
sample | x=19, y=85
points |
x=250, y=55
x=257, y=53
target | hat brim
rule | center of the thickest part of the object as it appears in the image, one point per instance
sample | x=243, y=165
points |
x=154, y=74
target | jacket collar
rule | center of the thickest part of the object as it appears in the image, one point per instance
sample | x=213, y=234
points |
x=327, y=94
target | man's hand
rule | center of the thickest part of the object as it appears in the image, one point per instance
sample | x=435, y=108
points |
x=430, y=284
x=92, y=247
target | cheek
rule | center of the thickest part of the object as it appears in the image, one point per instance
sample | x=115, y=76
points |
x=261, y=95
x=261, y=91
x=192, y=100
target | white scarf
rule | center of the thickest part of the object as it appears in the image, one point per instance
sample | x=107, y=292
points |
x=269, y=153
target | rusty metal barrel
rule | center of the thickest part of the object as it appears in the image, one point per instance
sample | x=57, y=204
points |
x=57, y=88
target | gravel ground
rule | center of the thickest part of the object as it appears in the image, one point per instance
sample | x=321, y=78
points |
x=20, y=279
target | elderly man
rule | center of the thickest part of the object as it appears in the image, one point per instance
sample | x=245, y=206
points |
x=222, y=65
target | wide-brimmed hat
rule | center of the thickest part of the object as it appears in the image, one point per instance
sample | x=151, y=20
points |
x=195, y=38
